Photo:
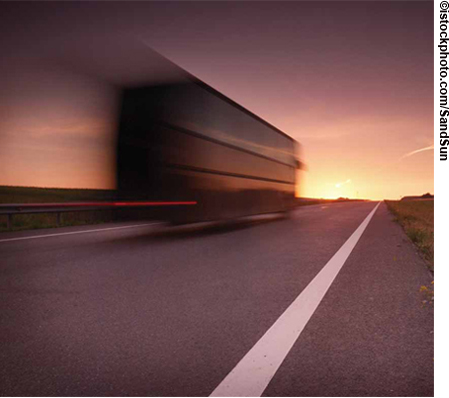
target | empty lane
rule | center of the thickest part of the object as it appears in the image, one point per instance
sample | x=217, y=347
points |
x=169, y=311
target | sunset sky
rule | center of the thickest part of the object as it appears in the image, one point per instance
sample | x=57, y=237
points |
x=351, y=81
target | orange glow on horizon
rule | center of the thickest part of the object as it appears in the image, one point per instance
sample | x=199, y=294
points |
x=344, y=106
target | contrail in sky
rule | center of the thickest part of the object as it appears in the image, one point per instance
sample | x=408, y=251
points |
x=395, y=162
x=428, y=148
x=338, y=185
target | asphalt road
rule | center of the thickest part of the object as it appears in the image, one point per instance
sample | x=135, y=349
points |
x=164, y=311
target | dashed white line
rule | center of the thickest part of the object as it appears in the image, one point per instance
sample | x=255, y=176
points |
x=253, y=373
x=76, y=232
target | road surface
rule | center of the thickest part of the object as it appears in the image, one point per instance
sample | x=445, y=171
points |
x=151, y=310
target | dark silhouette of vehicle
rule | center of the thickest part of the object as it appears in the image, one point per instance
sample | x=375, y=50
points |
x=185, y=141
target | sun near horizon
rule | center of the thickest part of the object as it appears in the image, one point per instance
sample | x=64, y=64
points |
x=363, y=114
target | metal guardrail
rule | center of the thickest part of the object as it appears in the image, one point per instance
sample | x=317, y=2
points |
x=12, y=209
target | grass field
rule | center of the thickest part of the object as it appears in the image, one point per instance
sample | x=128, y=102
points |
x=53, y=195
x=416, y=217
x=49, y=195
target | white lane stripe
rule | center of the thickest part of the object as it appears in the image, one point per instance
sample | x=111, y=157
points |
x=252, y=374
x=77, y=232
